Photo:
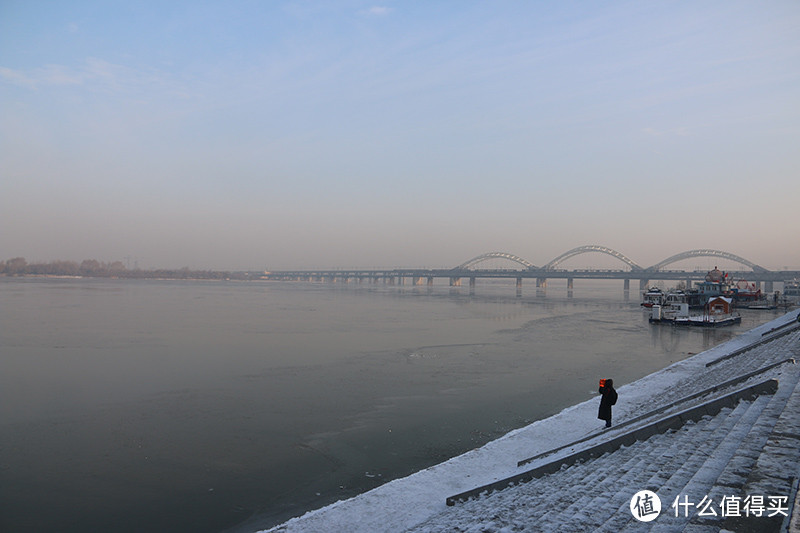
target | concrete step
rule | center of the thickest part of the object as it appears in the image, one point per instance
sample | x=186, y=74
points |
x=567, y=499
x=645, y=458
x=696, y=476
x=609, y=511
x=591, y=475
x=691, y=451
x=777, y=457
x=759, y=357
x=776, y=421
x=651, y=455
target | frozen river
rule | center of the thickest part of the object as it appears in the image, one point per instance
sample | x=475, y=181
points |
x=199, y=406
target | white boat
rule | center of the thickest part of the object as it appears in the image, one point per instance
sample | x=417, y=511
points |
x=791, y=291
x=717, y=312
x=653, y=296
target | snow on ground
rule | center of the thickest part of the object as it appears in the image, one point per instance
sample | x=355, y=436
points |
x=407, y=502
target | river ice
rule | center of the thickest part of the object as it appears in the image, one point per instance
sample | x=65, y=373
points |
x=417, y=502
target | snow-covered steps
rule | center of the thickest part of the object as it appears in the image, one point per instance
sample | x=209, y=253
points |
x=766, y=465
x=615, y=441
x=750, y=448
x=594, y=494
x=757, y=356
x=661, y=411
x=769, y=336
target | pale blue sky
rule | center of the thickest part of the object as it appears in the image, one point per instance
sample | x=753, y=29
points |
x=256, y=134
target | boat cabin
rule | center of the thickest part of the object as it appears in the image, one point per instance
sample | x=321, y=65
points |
x=710, y=289
x=654, y=296
x=791, y=288
x=720, y=305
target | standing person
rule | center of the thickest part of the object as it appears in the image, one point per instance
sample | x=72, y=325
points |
x=607, y=399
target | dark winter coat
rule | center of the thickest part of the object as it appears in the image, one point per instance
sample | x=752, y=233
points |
x=609, y=398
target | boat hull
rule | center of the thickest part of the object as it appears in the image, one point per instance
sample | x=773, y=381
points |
x=699, y=321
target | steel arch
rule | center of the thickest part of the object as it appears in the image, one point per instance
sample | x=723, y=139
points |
x=591, y=248
x=495, y=255
x=707, y=253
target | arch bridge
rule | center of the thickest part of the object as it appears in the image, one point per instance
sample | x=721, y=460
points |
x=522, y=268
x=494, y=255
x=630, y=269
x=633, y=265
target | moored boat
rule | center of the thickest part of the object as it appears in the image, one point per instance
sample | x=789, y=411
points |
x=791, y=291
x=716, y=313
x=744, y=291
x=653, y=296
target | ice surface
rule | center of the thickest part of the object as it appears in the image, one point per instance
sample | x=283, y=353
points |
x=407, y=503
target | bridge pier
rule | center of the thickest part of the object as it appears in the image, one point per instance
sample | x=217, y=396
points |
x=519, y=287
x=417, y=280
x=455, y=282
x=643, y=283
x=570, y=286
x=541, y=286
x=430, y=281
x=472, y=285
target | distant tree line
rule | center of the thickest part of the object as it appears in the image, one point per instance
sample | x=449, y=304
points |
x=93, y=268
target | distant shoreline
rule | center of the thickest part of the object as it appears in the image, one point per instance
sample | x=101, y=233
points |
x=92, y=268
x=143, y=277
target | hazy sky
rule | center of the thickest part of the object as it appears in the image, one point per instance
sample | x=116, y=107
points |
x=270, y=134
